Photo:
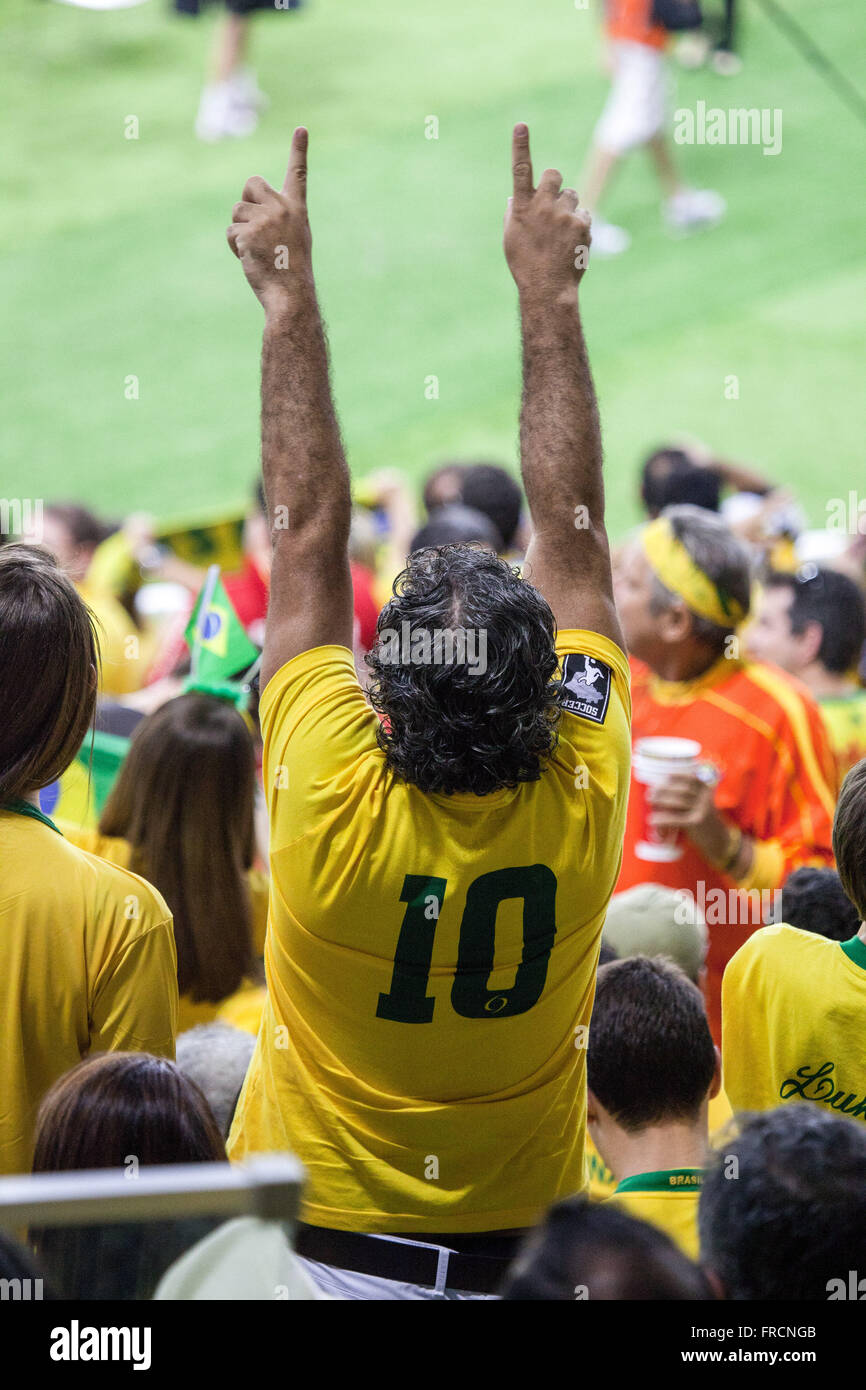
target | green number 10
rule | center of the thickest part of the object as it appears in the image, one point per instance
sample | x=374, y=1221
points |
x=407, y=1001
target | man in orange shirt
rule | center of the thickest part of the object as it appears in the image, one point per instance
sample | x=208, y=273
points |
x=634, y=116
x=682, y=590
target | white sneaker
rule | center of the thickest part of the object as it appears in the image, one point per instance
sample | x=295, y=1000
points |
x=607, y=239
x=694, y=208
x=247, y=91
x=692, y=50
x=220, y=115
x=725, y=63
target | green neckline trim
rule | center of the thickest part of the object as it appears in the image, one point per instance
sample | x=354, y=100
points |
x=25, y=808
x=663, y=1180
x=855, y=950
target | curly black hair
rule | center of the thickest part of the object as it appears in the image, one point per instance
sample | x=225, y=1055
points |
x=463, y=725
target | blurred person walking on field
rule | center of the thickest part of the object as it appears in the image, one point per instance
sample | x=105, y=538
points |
x=439, y=878
x=633, y=118
x=231, y=101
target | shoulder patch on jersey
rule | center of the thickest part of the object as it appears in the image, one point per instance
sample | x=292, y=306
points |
x=585, y=688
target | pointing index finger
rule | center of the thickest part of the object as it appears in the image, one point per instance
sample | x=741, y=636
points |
x=295, y=184
x=521, y=164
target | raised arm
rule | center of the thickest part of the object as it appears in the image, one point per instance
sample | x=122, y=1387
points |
x=546, y=244
x=305, y=475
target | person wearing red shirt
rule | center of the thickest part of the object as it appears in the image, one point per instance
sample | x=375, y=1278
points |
x=682, y=590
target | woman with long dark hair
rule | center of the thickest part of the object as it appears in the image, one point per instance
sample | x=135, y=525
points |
x=181, y=814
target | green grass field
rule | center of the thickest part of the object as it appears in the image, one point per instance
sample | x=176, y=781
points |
x=113, y=259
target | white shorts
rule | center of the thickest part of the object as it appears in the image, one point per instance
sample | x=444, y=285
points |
x=636, y=106
x=347, y=1284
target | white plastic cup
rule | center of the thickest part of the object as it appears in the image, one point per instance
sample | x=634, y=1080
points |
x=653, y=761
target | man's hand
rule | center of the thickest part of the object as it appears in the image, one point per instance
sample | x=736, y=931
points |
x=270, y=233
x=546, y=235
x=687, y=803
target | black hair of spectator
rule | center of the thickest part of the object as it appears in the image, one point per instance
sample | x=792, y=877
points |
x=456, y=525
x=594, y=1251
x=490, y=489
x=794, y=1220
x=606, y=954
x=814, y=900
x=849, y=836
x=669, y=478
x=651, y=1058
x=460, y=724
x=835, y=603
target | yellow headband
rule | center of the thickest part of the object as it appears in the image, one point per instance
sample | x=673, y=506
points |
x=674, y=567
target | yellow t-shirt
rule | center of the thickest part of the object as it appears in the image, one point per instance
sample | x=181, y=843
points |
x=668, y=1200
x=87, y=964
x=793, y=1015
x=431, y=959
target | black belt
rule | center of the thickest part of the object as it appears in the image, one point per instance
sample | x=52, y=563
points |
x=408, y=1264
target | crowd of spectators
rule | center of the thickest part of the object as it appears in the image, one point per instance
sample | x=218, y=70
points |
x=519, y=1011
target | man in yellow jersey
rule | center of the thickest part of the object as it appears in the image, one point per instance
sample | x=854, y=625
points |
x=652, y=1069
x=439, y=878
x=794, y=1003
x=813, y=625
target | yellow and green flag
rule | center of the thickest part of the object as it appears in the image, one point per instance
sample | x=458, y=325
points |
x=220, y=647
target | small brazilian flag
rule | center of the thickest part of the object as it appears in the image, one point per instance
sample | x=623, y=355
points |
x=220, y=647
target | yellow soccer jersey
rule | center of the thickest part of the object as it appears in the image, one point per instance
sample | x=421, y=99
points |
x=431, y=959
x=667, y=1199
x=793, y=1015
x=87, y=964
x=845, y=717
